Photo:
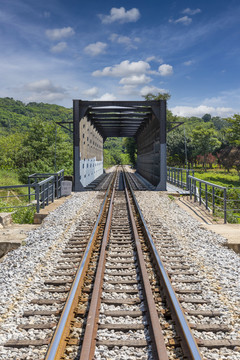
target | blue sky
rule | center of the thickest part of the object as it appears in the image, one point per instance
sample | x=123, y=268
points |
x=55, y=51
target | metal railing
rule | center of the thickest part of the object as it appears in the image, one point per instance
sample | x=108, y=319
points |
x=10, y=189
x=179, y=176
x=206, y=194
x=39, y=193
x=221, y=201
x=45, y=192
x=58, y=176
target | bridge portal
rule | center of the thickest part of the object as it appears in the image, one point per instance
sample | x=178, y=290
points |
x=94, y=121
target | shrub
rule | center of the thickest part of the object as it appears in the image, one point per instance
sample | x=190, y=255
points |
x=24, y=215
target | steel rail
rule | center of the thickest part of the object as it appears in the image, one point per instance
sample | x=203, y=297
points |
x=157, y=338
x=89, y=339
x=58, y=342
x=133, y=180
x=188, y=342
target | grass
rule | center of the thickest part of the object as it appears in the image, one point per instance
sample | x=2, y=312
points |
x=13, y=196
x=24, y=215
x=9, y=177
x=219, y=177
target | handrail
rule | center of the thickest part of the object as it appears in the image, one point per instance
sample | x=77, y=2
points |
x=198, y=194
x=45, y=174
x=207, y=182
x=44, y=191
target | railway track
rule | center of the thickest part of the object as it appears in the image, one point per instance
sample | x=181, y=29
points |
x=111, y=297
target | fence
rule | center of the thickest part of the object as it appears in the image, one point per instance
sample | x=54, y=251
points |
x=38, y=194
x=58, y=176
x=212, y=196
x=220, y=200
x=179, y=176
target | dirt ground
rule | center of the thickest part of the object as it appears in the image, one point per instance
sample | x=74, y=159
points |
x=230, y=231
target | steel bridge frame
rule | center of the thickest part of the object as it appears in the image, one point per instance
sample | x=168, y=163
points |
x=126, y=119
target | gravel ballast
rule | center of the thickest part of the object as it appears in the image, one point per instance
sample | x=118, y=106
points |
x=217, y=266
x=23, y=271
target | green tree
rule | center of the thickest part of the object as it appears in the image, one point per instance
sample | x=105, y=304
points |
x=234, y=131
x=37, y=153
x=10, y=145
x=131, y=149
x=206, y=117
x=160, y=96
x=205, y=141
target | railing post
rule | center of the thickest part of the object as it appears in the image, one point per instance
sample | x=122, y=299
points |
x=57, y=187
x=29, y=190
x=200, y=192
x=190, y=187
x=187, y=180
x=181, y=179
x=213, y=200
x=37, y=192
x=61, y=180
x=53, y=190
x=225, y=204
x=195, y=190
x=47, y=192
x=43, y=195
x=206, y=196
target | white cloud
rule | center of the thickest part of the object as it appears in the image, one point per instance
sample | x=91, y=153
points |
x=185, y=20
x=129, y=90
x=95, y=49
x=188, y=63
x=135, y=80
x=200, y=110
x=191, y=12
x=41, y=85
x=165, y=70
x=106, y=97
x=44, y=90
x=125, y=68
x=151, y=89
x=46, y=98
x=61, y=46
x=57, y=34
x=120, y=15
x=91, y=92
x=154, y=58
x=124, y=40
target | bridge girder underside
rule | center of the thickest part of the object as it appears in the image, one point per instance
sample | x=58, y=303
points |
x=143, y=120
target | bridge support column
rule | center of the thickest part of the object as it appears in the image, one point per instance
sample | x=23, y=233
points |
x=151, y=147
x=160, y=112
x=87, y=147
x=77, y=186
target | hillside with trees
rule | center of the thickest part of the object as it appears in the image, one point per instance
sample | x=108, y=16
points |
x=30, y=139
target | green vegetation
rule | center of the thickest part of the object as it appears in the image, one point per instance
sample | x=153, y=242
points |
x=30, y=139
x=211, y=142
x=16, y=196
x=219, y=177
x=24, y=215
x=119, y=151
